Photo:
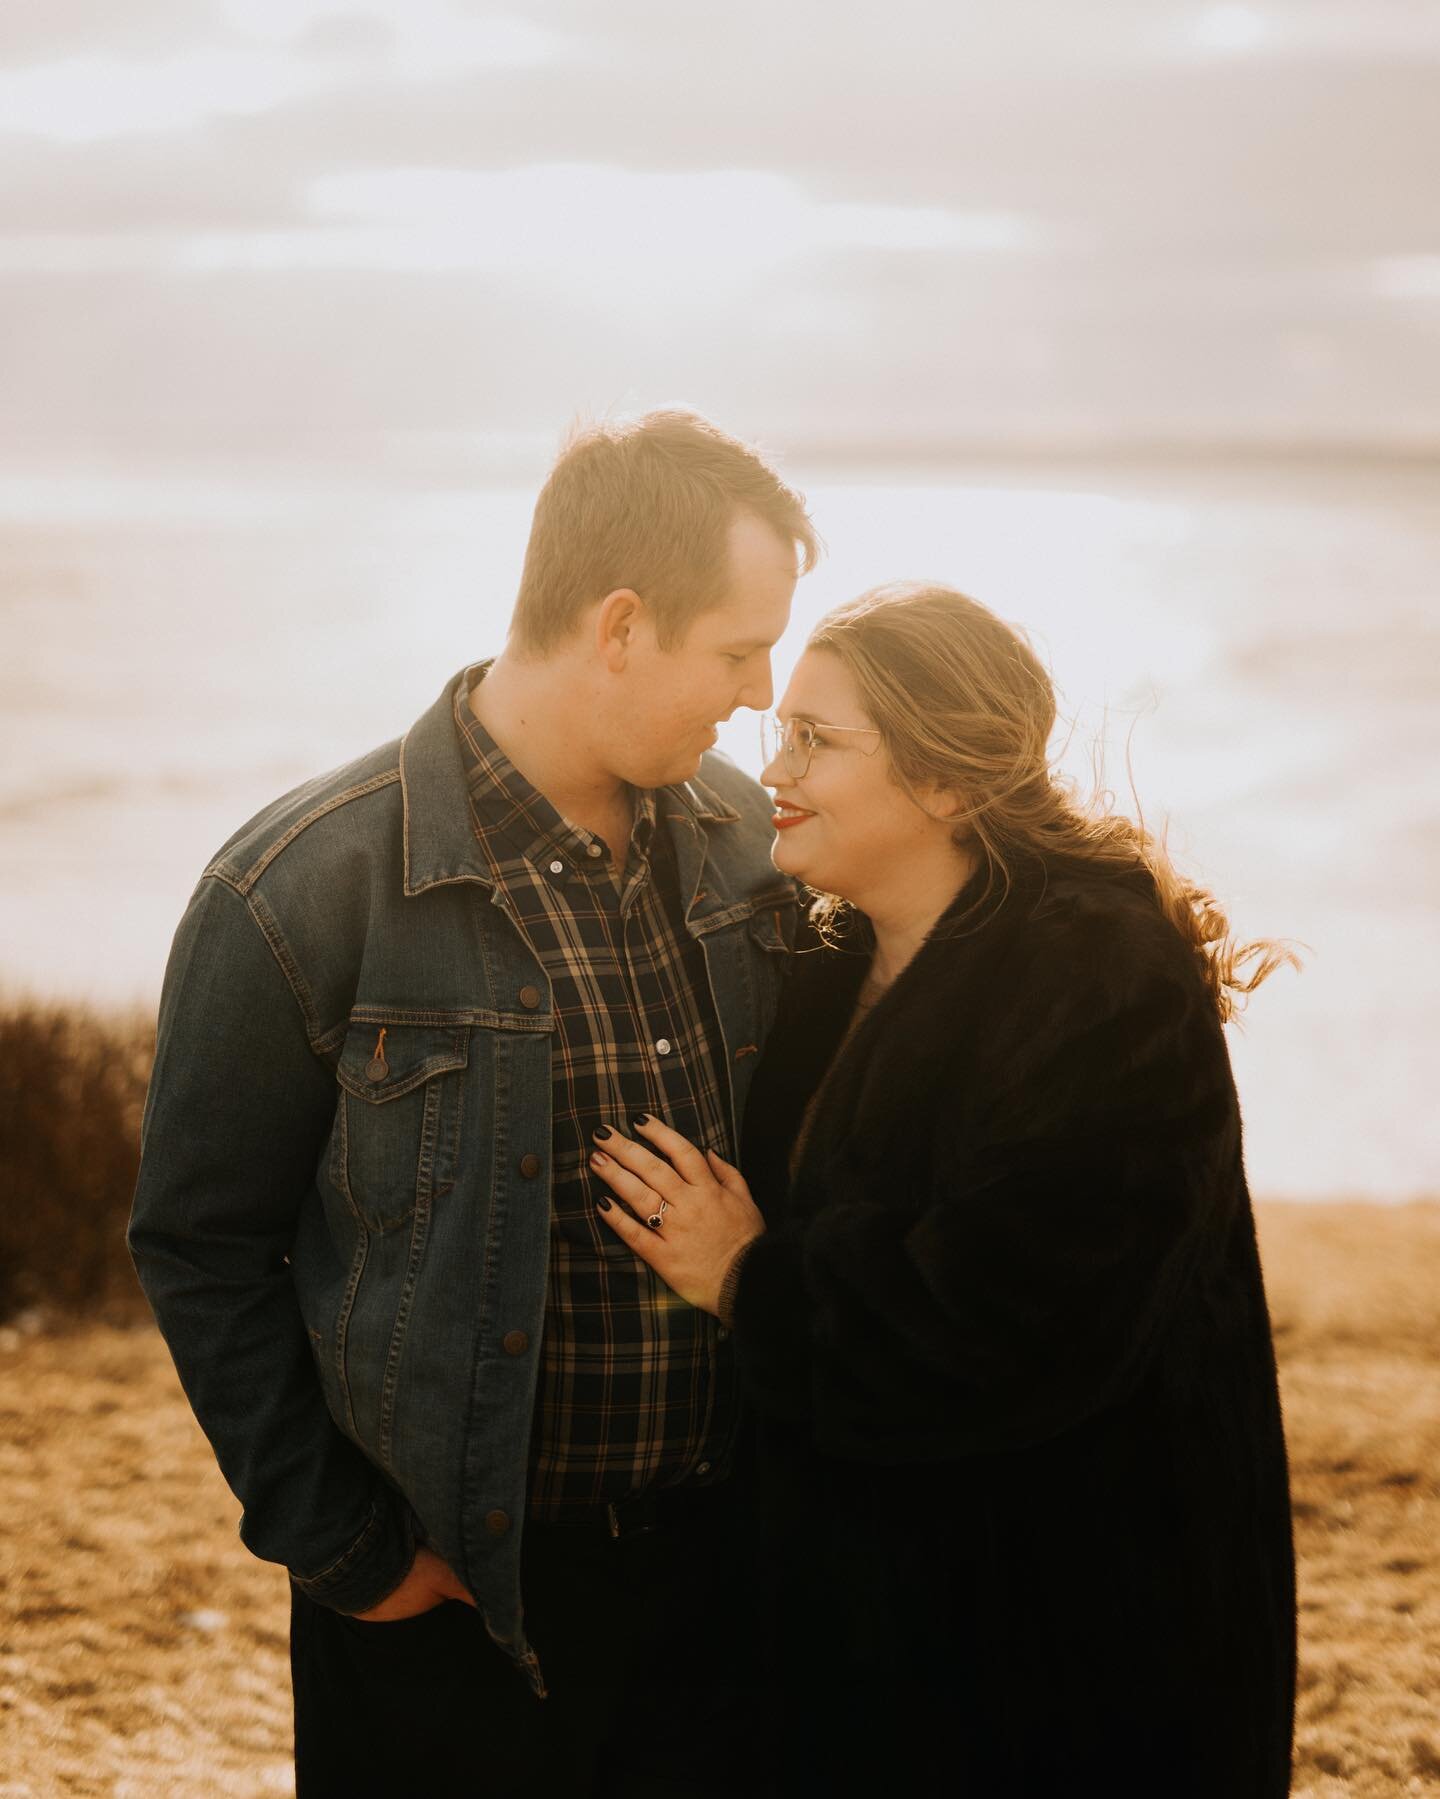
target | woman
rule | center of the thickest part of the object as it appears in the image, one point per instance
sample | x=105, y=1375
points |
x=999, y=1307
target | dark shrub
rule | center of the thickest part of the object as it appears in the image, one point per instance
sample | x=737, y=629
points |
x=72, y=1086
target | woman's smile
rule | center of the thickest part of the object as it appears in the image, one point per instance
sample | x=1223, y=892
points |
x=786, y=815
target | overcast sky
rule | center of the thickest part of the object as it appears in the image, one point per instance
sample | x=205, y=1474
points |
x=411, y=237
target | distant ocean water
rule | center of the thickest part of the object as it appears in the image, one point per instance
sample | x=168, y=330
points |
x=1267, y=638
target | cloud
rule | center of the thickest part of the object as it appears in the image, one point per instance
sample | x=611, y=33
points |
x=640, y=234
x=84, y=27
x=80, y=99
x=83, y=98
x=1239, y=154
x=134, y=189
x=860, y=351
x=1088, y=118
x=422, y=221
x=1227, y=30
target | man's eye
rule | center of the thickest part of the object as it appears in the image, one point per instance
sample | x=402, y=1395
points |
x=732, y=659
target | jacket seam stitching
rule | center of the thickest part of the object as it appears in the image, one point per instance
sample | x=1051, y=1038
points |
x=252, y=874
x=299, y=988
x=346, y=1556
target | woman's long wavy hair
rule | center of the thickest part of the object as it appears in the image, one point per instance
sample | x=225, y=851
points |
x=962, y=702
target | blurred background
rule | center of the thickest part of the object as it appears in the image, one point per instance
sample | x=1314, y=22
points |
x=1122, y=316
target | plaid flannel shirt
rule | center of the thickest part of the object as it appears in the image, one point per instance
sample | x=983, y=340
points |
x=636, y=1388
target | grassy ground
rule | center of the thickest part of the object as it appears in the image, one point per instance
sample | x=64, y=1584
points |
x=1353, y=1293
x=142, y=1652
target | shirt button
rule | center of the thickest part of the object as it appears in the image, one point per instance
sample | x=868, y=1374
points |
x=557, y=868
x=704, y=1468
x=529, y=998
x=497, y=1522
x=516, y=1342
x=594, y=850
x=530, y=1166
x=663, y=1046
x=722, y=1333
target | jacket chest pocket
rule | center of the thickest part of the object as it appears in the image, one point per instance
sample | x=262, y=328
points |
x=397, y=1130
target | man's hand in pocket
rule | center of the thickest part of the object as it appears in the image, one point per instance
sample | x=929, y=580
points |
x=429, y=1583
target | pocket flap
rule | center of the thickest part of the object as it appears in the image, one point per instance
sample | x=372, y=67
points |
x=768, y=921
x=376, y=1068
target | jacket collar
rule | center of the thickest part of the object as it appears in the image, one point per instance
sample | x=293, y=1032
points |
x=440, y=842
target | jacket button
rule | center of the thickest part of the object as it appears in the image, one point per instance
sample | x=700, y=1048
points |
x=530, y=1166
x=497, y=1523
x=516, y=1342
x=529, y=998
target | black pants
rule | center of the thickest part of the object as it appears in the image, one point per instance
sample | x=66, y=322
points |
x=650, y=1657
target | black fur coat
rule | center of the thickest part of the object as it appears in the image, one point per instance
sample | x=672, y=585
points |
x=1007, y=1343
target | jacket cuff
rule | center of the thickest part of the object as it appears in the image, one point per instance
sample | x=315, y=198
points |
x=725, y=1305
x=372, y=1567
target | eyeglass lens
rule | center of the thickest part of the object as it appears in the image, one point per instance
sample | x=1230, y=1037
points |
x=794, y=740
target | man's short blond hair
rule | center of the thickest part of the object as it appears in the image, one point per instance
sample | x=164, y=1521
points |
x=646, y=503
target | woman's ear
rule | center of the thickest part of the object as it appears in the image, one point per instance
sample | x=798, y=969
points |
x=944, y=804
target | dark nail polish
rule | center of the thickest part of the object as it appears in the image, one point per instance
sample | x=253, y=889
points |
x=602, y=1133
x=602, y=1202
x=639, y=1119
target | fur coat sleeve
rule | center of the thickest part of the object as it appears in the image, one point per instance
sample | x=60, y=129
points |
x=1019, y=1164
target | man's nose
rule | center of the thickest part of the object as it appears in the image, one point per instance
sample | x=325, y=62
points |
x=758, y=693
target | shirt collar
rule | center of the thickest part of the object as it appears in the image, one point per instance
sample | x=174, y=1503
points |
x=512, y=816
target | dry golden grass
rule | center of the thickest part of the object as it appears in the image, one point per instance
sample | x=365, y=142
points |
x=1353, y=1294
x=143, y=1652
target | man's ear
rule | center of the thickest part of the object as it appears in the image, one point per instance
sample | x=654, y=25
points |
x=617, y=621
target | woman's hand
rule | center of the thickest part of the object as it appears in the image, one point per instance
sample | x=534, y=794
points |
x=708, y=1215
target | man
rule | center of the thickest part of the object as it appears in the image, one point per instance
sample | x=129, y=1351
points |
x=401, y=1001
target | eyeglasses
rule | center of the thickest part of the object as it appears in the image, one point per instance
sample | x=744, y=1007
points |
x=797, y=739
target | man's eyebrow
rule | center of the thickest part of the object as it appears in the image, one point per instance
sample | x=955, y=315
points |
x=752, y=643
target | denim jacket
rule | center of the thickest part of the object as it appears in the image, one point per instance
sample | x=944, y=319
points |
x=346, y=1246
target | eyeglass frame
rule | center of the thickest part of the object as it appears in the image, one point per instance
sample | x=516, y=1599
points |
x=770, y=722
